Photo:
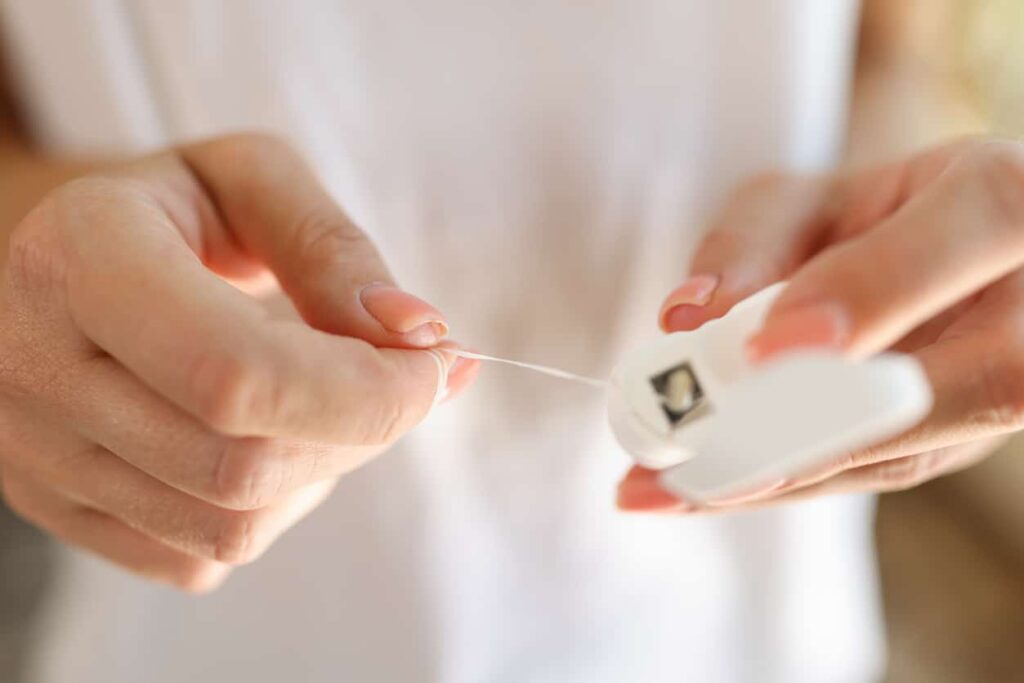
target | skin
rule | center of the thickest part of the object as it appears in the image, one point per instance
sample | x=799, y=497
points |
x=957, y=214
x=151, y=409
x=921, y=255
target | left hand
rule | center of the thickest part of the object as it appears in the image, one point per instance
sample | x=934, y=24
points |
x=924, y=256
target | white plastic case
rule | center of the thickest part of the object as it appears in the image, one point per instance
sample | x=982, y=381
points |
x=691, y=405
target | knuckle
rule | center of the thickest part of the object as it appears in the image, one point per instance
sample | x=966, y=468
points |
x=724, y=239
x=902, y=473
x=915, y=470
x=82, y=193
x=88, y=197
x=722, y=246
x=732, y=243
x=390, y=414
x=249, y=473
x=228, y=394
x=323, y=237
x=201, y=577
x=385, y=403
x=33, y=262
x=219, y=384
x=849, y=461
x=45, y=244
x=386, y=422
x=96, y=187
x=239, y=537
x=1001, y=403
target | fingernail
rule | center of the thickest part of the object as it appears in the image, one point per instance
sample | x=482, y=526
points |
x=453, y=375
x=427, y=334
x=682, y=309
x=646, y=496
x=419, y=323
x=443, y=362
x=461, y=371
x=459, y=366
x=748, y=494
x=445, y=350
x=823, y=326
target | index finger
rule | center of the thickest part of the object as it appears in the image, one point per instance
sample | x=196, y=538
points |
x=769, y=227
x=962, y=232
x=137, y=290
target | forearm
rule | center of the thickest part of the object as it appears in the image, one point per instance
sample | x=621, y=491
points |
x=909, y=91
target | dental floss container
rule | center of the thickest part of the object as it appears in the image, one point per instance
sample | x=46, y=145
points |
x=692, y=406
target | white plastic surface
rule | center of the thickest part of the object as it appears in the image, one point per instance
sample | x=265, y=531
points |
x=758, y=424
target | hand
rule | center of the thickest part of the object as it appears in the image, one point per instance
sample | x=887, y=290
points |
x=923, y=256
x=153, y=413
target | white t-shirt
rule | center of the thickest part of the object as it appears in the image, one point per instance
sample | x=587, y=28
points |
x=540, y=170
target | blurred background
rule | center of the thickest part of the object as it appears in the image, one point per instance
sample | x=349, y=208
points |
x=951, y=552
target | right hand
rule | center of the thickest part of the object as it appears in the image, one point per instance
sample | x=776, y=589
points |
x=153, y=413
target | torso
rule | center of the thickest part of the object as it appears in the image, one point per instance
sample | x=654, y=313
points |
x=540, y=171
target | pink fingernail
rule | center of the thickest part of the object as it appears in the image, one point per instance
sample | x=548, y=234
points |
x=645, y=495
x=427, y=334
x=682, y=309
x=684, y=318
x=454, y=379
x=823, y=326
x=459, y=365
x=397, y=311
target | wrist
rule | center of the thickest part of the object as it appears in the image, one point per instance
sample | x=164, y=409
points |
x=904, y=107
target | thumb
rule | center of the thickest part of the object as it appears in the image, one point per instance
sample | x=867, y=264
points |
x=764, y=232
x=275, y=210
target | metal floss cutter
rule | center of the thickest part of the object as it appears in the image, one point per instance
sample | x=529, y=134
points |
x=691, y=405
